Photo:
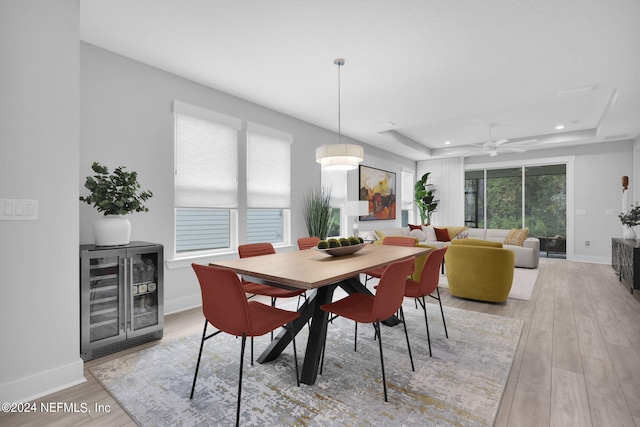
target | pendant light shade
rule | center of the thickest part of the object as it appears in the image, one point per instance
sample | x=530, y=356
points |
x=339, y=156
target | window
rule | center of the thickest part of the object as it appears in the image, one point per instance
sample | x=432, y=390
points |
x=407, y=198
x=336, y=181
x=268, y=184
x=533, y=196
x=205, y=179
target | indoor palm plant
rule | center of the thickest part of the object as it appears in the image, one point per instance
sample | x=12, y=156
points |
x=425, y=199
x=115, y=195
x=317, y=212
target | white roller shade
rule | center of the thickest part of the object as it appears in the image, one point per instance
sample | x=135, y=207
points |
x=268, y=171
x=206, y=163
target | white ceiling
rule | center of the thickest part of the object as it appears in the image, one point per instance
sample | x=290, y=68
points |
x=417, y=72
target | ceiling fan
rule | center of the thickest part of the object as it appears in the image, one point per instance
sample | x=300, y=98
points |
x=492, y=148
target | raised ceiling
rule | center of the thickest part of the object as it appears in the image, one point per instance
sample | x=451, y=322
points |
x=417, y=73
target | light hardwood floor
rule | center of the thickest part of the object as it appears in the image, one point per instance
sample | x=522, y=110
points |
x=577, y=363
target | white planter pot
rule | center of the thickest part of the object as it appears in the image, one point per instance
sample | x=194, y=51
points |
x=628, y=233
x=112, y=230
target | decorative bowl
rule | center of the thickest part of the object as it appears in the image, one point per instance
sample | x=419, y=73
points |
x=343, y=250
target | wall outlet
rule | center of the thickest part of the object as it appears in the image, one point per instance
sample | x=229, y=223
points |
x=587, y=243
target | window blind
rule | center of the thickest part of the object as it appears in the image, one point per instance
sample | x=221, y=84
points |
x=268, y=171
x=206, y=163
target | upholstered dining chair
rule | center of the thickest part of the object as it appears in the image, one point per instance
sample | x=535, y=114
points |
x=307, y=242
x=393, y=241
x=363, y=308
x=226, y=308
x=426, y=286
x=257, y=249
x=273, y=292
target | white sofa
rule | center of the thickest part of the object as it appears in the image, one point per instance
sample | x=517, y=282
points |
x=527, y=255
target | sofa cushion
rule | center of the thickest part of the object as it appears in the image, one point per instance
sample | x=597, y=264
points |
x=454, y=230
x=430, y=234
x=516, y=236
x=476, y=233
x=418, y=234
x=442, y=234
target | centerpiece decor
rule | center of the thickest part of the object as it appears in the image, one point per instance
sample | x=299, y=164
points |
x=630, y=219
x=115, y=195
x=424, y=197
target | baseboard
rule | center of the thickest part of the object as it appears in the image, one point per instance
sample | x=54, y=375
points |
x=182, y=304
x=589, y=259
x=43, y=383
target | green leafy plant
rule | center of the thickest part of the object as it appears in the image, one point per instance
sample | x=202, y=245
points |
x=631, y=218
x=317, y=212
x=117, y=193
x=424, y=197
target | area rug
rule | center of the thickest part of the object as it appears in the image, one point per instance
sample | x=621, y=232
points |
x=524, y=280
x=462, y=384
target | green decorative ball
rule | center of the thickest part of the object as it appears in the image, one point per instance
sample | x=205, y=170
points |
x=334, y=243
x=345, y=242
x=354, y=240
x=323, y=244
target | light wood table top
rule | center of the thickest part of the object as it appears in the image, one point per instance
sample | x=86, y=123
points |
x=310, y=269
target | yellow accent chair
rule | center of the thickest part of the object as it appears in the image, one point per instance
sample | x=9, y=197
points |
x=479, y=269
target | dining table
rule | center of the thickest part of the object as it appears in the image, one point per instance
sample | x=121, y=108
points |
x=320, y=272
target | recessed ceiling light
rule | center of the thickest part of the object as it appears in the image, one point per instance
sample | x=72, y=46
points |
x=559, y=127
x=447, y=142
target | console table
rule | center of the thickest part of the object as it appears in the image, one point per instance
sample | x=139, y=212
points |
x=625, y=259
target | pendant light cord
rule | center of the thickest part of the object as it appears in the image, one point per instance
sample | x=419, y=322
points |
x=339, y=62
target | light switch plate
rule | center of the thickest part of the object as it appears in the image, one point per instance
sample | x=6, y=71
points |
x=18, y=210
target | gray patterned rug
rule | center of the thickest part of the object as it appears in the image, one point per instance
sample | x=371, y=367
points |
x=461, y=385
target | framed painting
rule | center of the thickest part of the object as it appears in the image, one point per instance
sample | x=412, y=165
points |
x=378, y=187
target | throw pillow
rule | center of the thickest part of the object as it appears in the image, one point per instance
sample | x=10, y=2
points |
x=415, y=227
x=418, y=234
x=516, y=236
x=430, y=234
x=442, y=234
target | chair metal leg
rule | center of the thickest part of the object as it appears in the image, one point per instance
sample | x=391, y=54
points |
x=376, y=326
x=426, y=322
x=244, y=341
x=355, y=338
x=295, y=352
x=273, y=304
x=442, y=312
x=251, y=351
x=195, y=376
x=406, y=334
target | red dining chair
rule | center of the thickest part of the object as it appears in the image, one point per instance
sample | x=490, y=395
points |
x=372, y=309
x=307, y=242
x=426, y=286
x=226, y=308
x=393, y=241
x=258, y=249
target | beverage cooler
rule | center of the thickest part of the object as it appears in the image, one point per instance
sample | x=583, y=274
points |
x=121, y=297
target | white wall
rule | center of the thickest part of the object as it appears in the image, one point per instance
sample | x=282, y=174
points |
x=126, y=119
x=39, y=112
x=598, y=170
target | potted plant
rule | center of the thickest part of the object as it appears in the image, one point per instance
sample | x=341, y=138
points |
x=630, y=219
x=115, y=195
x=317, y=212
x=425, y=199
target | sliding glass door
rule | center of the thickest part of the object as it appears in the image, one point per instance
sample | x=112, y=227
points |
x=529, y=196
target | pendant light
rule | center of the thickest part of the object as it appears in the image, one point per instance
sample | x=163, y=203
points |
x=339, y=156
